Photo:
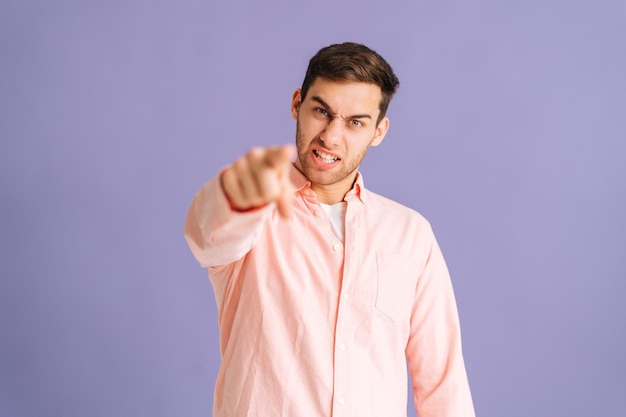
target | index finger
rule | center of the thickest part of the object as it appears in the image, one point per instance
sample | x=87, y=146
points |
x=280, y=158
x=275, y=157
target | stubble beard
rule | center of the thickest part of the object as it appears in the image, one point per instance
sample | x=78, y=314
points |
x=346, y=169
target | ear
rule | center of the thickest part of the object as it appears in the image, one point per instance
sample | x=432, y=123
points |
x=296, y=100
x=381, y=131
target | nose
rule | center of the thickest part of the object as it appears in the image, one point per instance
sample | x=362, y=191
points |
x=331, y=135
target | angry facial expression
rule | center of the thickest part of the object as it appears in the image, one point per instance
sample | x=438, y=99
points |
x=336, y=125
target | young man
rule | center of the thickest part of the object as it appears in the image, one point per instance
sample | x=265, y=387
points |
x=325, y=290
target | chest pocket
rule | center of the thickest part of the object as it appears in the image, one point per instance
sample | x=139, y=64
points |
x=395, y=287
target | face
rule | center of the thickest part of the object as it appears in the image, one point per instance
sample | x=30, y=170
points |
x=336, y=125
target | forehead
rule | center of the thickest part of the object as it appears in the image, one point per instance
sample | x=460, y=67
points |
x=347, y=96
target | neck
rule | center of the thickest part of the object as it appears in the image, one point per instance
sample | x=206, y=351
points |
x=333, y=193
x=328, y=197
x=330, y=193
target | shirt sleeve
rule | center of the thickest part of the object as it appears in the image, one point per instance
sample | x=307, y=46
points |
x=434, y=355
x=216, y=234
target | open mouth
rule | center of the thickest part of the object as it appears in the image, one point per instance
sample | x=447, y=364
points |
x=324, y=157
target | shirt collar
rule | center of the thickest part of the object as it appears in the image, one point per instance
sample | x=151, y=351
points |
x=303, y=185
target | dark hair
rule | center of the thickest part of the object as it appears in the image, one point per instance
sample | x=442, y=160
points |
x=352, y=62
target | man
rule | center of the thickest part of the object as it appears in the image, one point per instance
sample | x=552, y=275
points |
x=325, y=290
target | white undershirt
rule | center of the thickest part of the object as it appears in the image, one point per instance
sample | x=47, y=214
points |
x=337, y=214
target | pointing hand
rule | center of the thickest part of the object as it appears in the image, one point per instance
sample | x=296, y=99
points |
x=260, y=177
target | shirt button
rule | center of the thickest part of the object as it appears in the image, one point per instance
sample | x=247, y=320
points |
x=318, y=213
x=346, y=296
x=342, y=346
x=341, y=401
x=336, y=247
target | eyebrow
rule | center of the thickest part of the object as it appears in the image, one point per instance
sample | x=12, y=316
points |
x=334, y=114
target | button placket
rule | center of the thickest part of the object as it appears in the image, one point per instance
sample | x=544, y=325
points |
x=344, y=326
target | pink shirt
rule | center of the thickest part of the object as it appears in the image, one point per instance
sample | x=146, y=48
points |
x=313, y=327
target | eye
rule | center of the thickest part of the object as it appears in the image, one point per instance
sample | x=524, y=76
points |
x=356, y=123
x=321, y=111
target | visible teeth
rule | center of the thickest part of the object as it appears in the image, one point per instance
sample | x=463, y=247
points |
x=329, y=159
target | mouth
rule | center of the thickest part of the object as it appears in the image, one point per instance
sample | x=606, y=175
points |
x=324, y=157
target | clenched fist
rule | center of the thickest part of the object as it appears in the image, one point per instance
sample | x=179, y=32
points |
x=260, y=177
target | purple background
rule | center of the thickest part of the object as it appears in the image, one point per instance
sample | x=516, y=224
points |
x=508, y=133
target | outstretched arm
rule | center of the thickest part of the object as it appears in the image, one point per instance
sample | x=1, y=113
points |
x=225, y=215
